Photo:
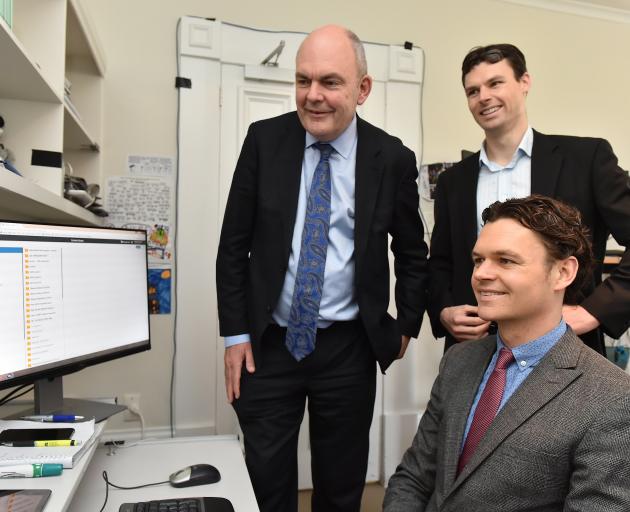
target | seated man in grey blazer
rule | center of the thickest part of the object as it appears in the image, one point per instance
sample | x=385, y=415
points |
x=529, y=419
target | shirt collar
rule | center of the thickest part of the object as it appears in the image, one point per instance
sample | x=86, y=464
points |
x=524, y=148
x=342, y=144
x=530, y=353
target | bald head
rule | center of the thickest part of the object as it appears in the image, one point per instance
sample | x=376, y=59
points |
x=330, y=81
x=339, y=34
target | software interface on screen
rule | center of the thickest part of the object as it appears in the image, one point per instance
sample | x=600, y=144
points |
x=68, y=292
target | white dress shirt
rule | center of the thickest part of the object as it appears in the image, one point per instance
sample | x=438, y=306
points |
x=498, y=182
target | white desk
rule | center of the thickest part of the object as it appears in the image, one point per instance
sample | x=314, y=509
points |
x=63, y=486
x=153, y=461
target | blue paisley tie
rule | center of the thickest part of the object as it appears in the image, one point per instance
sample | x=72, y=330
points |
x=309, y=279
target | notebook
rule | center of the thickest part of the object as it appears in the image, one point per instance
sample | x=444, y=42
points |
x=66, y=455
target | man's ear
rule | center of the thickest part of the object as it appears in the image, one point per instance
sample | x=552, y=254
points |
x=566, y=270
x=526, y=82
x=365, y=86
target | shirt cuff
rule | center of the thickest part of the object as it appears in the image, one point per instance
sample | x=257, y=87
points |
x=236, y=340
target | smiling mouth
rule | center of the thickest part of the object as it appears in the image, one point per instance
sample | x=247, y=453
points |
x=318, y=113
x=490, y=110
x=489, y=294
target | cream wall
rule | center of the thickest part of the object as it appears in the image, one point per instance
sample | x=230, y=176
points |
x=581, y=83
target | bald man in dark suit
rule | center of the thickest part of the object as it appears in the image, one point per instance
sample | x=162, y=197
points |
x=312, y=185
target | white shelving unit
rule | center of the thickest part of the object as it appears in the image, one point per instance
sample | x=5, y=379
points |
x=85, y=68
x=25, y=81
x=50, y=40
x=21, y=200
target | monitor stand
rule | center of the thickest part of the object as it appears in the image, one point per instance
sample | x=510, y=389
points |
x=49, y=400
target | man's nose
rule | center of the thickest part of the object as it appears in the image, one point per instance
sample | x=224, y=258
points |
x=314, y=92
x=484, y=94
x=484, y=271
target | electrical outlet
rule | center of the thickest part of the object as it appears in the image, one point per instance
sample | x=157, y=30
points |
x=131, y=400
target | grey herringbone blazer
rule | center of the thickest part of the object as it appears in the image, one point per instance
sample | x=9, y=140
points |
x=560, y=443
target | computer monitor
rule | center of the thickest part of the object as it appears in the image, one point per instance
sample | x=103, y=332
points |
x=70, y=297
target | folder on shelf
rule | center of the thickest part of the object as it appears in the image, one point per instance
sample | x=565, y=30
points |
x=66, y=455
x=6, y=11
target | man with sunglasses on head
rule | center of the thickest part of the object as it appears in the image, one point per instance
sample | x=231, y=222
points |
x=515, y=161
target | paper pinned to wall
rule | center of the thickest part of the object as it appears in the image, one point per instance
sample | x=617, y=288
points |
x=143, y=202
x=138, y=165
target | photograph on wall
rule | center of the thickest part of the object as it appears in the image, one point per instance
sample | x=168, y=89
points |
x=428, y=178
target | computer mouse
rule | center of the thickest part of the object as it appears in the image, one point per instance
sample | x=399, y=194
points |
x=197, y=474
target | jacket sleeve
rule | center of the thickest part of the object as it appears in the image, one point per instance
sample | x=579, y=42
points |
x=601, y=465
x=410, y=251
x=232, y=265
x=441, y=260
x=610, y=301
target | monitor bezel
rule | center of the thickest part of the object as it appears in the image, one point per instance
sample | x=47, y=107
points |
x=56, y=370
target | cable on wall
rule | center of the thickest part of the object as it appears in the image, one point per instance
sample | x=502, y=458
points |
x=175, y=274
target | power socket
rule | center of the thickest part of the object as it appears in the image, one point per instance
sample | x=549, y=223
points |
x=132, y=401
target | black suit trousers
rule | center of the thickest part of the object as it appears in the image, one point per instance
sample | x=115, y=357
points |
x=339, y=382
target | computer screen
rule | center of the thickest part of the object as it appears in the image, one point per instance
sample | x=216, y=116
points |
x=70, y=297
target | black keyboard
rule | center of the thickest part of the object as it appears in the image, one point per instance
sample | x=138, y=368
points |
x=180, y=505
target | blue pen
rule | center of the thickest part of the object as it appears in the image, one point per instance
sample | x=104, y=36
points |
x=61, y=418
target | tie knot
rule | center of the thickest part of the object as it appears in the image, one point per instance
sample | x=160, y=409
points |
x=505, y=359
x=325, y=150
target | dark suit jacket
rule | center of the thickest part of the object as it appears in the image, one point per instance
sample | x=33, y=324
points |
x=561, y=442
x=258, y=228
x=582, y=172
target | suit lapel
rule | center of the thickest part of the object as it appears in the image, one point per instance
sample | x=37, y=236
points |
x=546, y=164
x=460, y=403
x=287, y=170
x=468, y=200
x=552, y=375
x=369, y=170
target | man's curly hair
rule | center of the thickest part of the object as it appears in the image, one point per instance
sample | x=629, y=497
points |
x=560, y=229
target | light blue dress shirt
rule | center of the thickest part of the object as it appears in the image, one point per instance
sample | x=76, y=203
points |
x=498, y=182
x=338, y=295
x=526, y=357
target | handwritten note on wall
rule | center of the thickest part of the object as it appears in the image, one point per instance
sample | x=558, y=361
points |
x=143, y=202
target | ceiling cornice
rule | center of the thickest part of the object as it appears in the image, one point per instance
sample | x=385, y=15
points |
x=579, y=8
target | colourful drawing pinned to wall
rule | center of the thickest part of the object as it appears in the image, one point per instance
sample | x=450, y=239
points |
x=159, y=291
x=159, y=242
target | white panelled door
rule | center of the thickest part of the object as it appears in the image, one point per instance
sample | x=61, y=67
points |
x=249, y=91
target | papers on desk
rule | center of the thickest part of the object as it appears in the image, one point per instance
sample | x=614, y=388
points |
x=66, y=455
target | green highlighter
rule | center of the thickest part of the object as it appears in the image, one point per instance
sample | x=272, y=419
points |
x=30, y=470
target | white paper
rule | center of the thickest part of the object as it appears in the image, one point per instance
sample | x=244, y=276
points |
x=145, y=203
x=138, y=165
x=66, y=455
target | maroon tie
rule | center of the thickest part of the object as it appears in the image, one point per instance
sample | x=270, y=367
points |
x=487, y=407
